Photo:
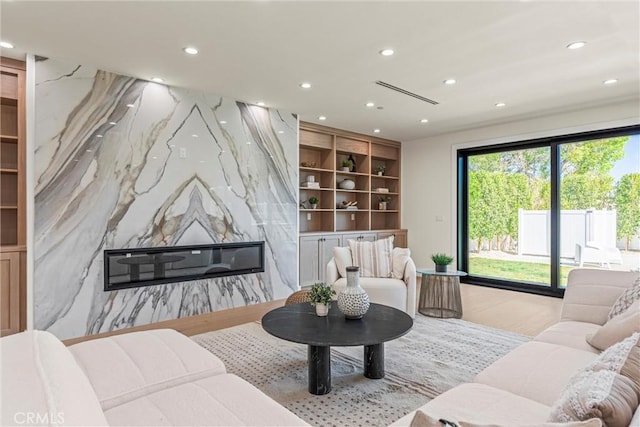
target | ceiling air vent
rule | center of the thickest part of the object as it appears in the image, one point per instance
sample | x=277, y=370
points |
x=406, y=92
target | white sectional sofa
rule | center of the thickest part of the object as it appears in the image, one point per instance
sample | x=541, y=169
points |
x=151, y=378
x=521, y=387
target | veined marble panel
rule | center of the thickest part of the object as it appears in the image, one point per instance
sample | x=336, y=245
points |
x=126, y=163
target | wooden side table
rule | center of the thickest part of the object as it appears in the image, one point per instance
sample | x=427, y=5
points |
x=440, y=294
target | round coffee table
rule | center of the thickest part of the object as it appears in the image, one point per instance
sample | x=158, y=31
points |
x=299, y=323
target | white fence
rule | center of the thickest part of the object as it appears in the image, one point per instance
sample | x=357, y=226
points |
x=577, y=227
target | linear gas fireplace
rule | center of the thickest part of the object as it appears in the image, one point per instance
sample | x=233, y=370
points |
x=132, y=268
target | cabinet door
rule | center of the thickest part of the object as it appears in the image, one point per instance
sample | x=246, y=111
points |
x=310, y=260
x=9, y=293
x=399, y=240
x=367, y=237
x=328, y=243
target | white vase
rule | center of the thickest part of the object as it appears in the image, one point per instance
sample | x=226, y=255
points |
x=346, y=169
x=353, y=301
x=314, y=206
x=347, y=184
x=322, y=309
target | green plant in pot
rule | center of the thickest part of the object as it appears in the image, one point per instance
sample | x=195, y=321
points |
x=320, y=296
x=346, y=165
x=441, y=260
x=380, y=169
x=313, y=201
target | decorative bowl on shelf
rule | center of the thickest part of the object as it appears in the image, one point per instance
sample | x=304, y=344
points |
x=308, y=164
x=347, y=184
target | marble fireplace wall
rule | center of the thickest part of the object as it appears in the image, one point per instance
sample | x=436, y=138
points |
x=126, y=163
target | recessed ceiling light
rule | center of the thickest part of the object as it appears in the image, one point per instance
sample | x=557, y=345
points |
x=190, y=50
x=248, y=142
x=322, y=118
x=305, y=85
x=500, y=104
x=155, y=157
x=424, y=120
x=449, y=81
x=6, y=45
x=376, y=131
x=223, y=122
x=131, y=105
x=260, y=104
x=89, y=151
x=387, y=52
x=157, y=80
x=280, y=131
x=370, y=104
x=98, y=136
x=610, y=81
x=576, y=45
x=113, y=123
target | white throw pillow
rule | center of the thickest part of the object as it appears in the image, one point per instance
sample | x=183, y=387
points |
x=400, y=257
x=617, y=329
x=373, y=258
x=342, y=256
x=420, y=419
x=624, y=301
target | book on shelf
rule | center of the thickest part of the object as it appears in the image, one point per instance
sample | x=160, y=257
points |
x=310, y=185
x=381, y=190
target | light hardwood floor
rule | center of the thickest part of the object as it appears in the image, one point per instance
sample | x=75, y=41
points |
x=518, y=312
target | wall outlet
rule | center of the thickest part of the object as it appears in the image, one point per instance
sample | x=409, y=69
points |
x=183, y=153
x=308, y=217
x=353, y=217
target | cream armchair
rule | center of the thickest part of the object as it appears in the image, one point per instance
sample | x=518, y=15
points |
x=400, y=294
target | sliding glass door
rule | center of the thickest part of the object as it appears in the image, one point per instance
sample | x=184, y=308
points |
x=531, y=211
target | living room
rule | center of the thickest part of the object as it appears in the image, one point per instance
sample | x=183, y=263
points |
x=118, y=166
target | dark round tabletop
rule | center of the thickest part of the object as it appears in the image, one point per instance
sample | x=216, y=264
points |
x=299, y=323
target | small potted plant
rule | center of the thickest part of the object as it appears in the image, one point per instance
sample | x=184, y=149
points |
x=380, y=169
x=382, y=202
x=313, y=201
x=321, y=296
x=346, y=165
x=441, y=261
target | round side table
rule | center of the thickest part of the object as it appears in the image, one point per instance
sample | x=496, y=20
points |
x=440, y=294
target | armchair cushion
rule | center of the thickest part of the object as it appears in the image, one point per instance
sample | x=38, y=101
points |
x=343, y=258
x=373, y=258
x=617, y=329
x=387, y=291
x=399, y=257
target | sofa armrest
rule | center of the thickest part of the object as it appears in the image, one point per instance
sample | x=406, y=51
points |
x=410, y=280
x=332, y=274
x=591, y=293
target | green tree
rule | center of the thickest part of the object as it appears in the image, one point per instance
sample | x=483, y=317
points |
x=628, y=207
x=597, y=156
x=584, y=191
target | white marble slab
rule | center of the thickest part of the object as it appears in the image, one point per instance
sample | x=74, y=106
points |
x=162, y=171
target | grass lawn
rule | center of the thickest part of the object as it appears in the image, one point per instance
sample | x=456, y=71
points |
x=514, y=270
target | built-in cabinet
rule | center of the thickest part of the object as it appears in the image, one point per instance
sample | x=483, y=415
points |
x=12, y=196
x=356, y=181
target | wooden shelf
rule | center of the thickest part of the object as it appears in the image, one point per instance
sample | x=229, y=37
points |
x=327, y=148
x=13, y=207
x=8, y=170
x=9, y=138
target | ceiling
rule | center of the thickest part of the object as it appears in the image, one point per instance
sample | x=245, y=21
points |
x=510, y=51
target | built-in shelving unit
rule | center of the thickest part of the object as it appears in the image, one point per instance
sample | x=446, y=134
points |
x=322, y=152
x=12, y=196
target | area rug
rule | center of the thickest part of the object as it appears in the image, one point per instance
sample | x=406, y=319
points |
x=436, y=355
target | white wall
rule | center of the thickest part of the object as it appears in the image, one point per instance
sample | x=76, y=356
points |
x=429, y=169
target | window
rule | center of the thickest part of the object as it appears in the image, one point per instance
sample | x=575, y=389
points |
x=529, y=212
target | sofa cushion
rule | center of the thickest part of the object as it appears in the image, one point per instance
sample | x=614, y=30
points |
x=536, y=370
x=625, y=300
x=399, y=259
x=622, y=358
x=373, y=258
x=342, y=256
x=391, y=292
x=617, y=329
x=41, y=380
x=481, y=403
x=124, y=367
x=221, y=400
x=571, y=334
x=597, y=394
x=423, y=420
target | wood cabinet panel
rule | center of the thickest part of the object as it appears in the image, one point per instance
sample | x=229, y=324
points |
x=10, y=280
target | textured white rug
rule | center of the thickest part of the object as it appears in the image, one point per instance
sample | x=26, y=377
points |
x=434, y=356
